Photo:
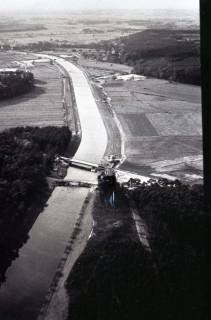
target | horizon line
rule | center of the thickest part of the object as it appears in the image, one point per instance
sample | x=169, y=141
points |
x=32, y=10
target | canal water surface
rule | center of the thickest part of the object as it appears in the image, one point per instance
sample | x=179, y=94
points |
x=30, y=275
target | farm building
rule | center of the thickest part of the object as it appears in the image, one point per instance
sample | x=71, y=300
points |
x=14, y=73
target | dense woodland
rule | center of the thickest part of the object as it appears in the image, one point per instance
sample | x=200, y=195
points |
x=26, y=158
x=179, y=229
x=160, y=53
x=15, y=83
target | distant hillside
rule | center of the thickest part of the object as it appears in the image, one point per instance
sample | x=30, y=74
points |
x=165, y=53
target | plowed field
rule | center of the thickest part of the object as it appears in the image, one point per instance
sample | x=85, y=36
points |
x=162, y=125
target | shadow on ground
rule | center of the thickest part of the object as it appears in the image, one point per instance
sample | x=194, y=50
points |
x=34, y=93
x=115, y=277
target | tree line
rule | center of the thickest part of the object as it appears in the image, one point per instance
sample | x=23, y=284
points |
x=161, y=53
x=13, y=84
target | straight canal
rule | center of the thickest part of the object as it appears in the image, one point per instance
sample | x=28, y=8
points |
x=30, y=275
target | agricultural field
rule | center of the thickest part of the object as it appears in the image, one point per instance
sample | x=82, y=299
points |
x=162, y=126
x=42, y=106
x=19, y=27
x=98, y=68
x=70, y=28
x=84, y=27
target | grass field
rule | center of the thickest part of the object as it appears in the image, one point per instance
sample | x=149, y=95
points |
x=162, y=125
x=40, y=107
x=105, y=67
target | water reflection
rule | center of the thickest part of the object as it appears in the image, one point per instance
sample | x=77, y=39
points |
x=30, y=276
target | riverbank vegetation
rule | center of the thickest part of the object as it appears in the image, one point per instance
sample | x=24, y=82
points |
x=15, y=83
x=26, y=158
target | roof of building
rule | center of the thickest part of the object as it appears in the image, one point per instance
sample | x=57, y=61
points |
x=5, y=70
